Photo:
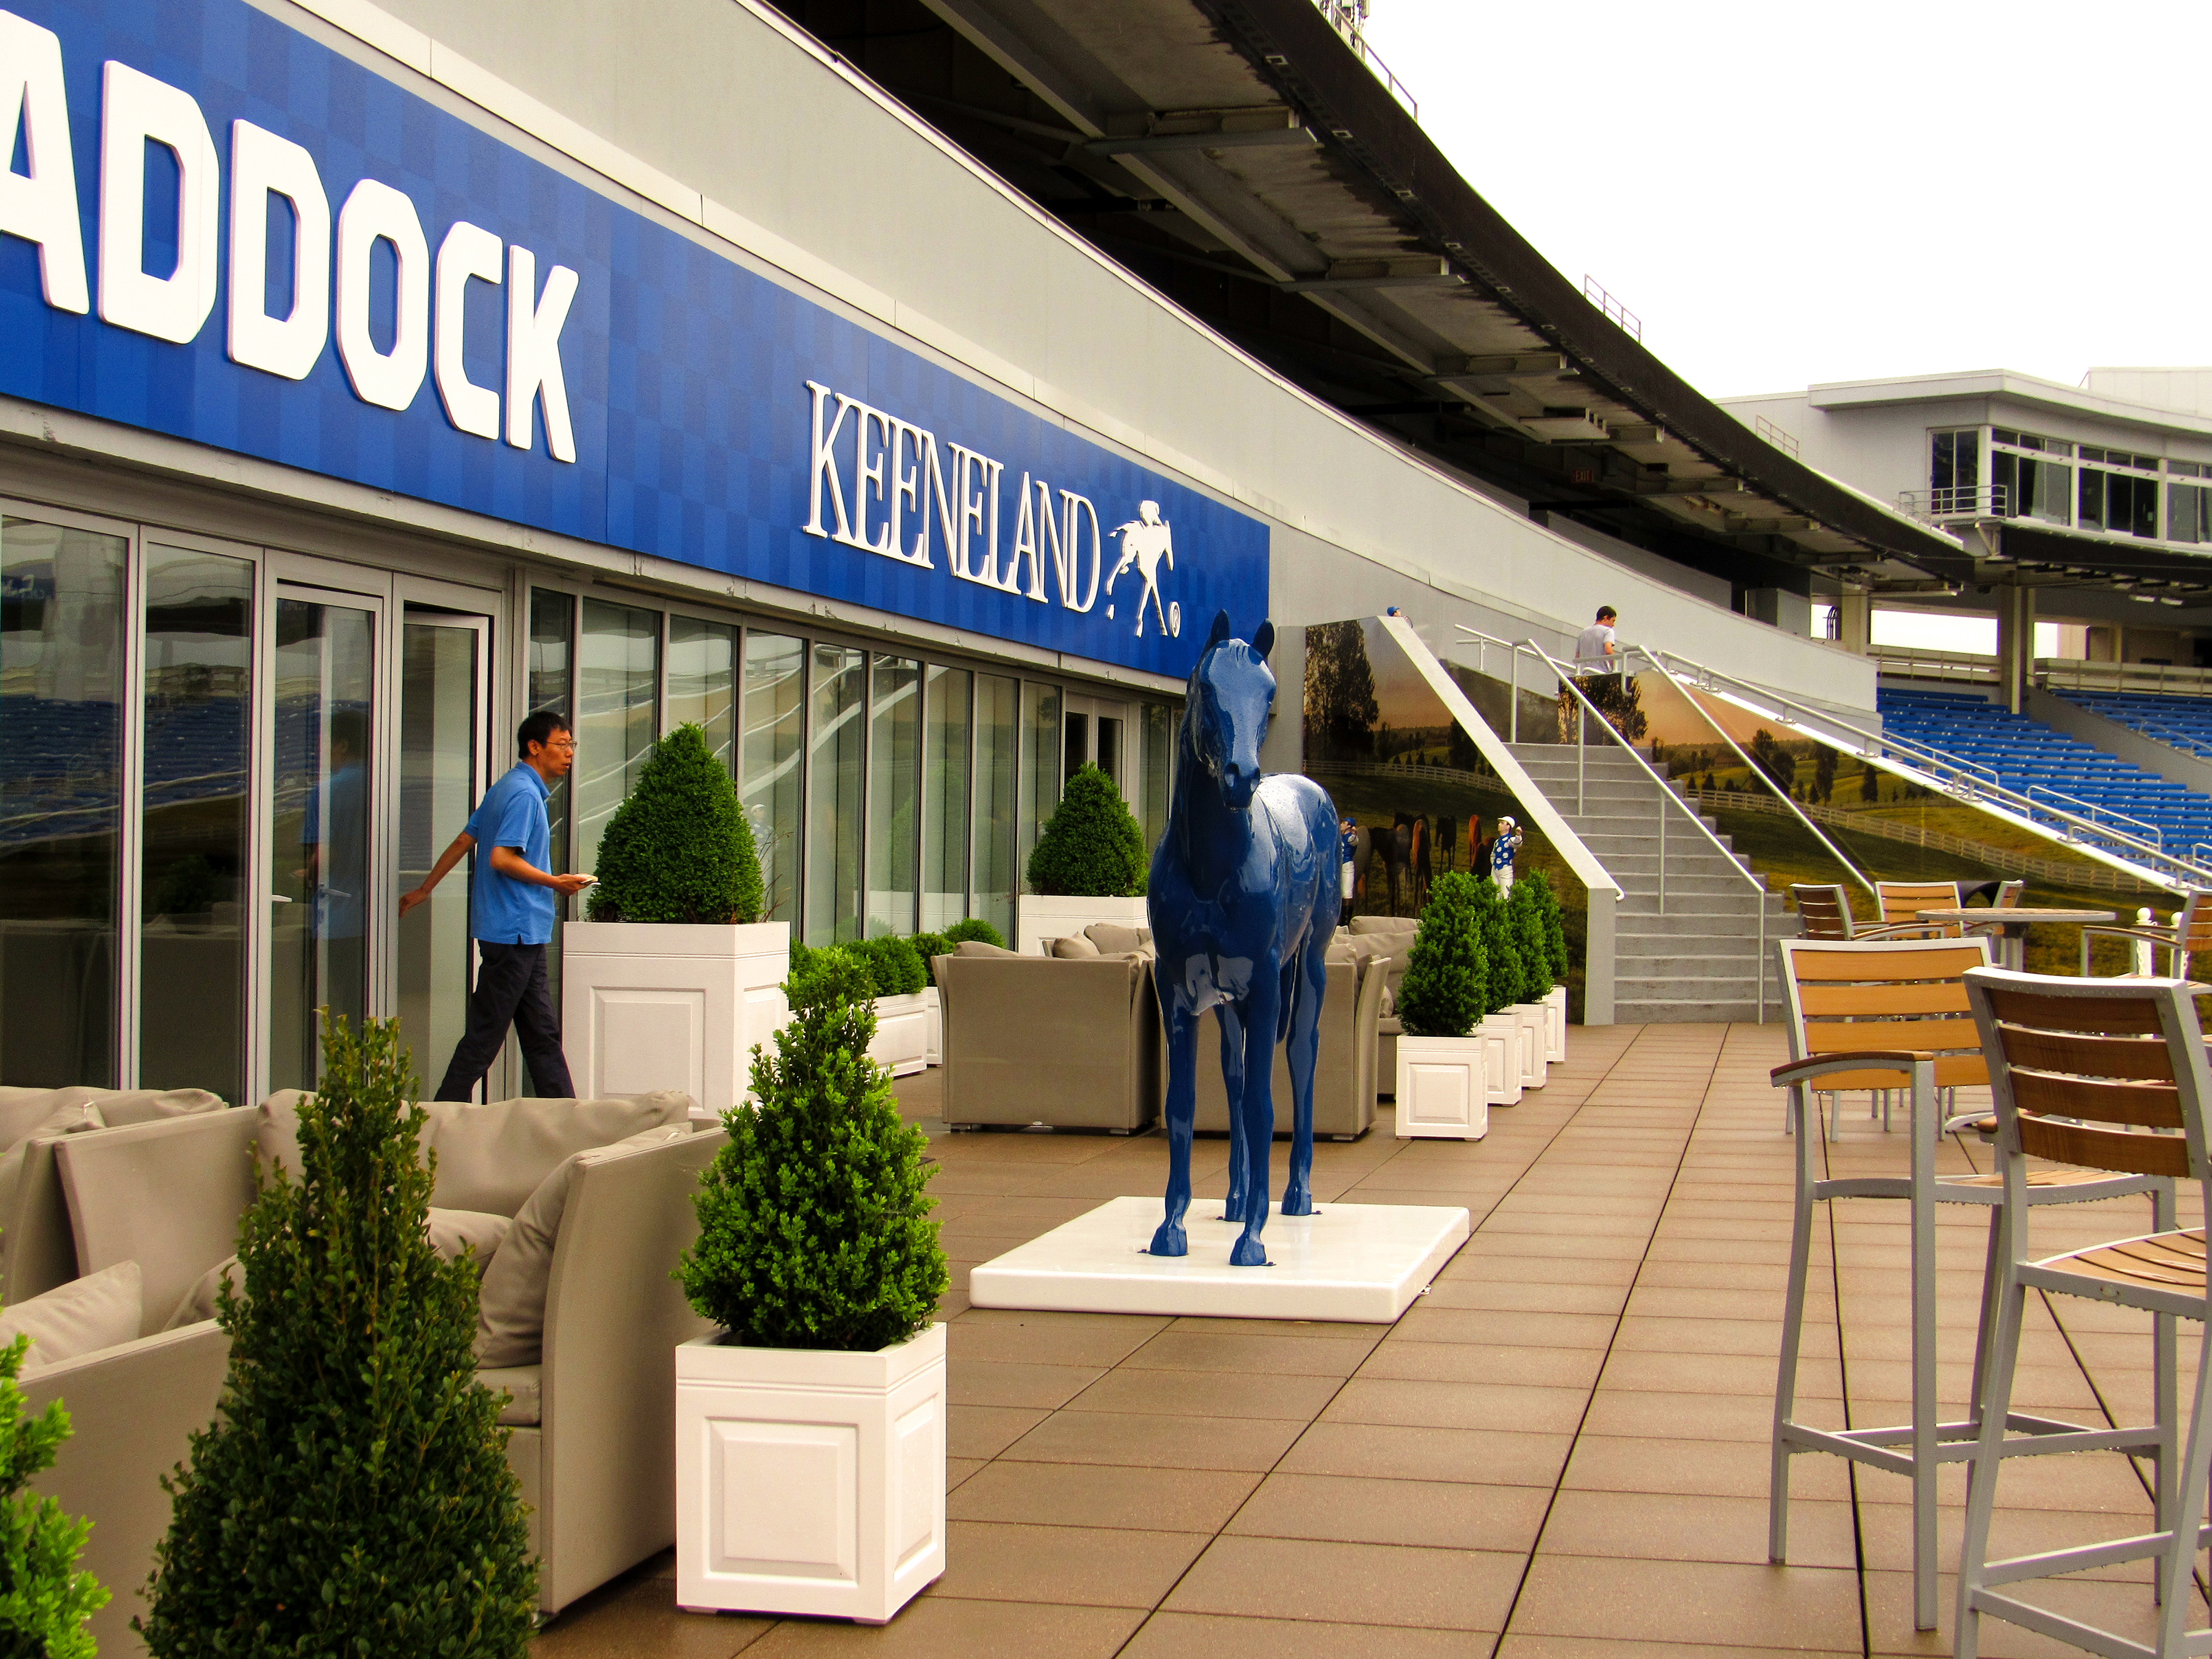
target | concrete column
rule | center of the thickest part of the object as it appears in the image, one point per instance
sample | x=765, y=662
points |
x=2015, y=643
x=1855, y=622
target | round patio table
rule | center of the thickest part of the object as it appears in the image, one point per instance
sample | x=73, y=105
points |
x=2012, y=927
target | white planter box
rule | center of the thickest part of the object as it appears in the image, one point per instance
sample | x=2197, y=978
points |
x=1501, y=1059
x=1441, y=1094
x=1536, y=1043
x=809, y=1482
x=1037, y=918
x=1555, y=1005
x=667, y=1005
x=902, y=1039
x=933, y=1028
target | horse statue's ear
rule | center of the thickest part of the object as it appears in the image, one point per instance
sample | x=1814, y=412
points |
x=1220, y=629
x=1264, y=641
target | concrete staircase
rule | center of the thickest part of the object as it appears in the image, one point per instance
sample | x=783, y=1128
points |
x=1700, y=960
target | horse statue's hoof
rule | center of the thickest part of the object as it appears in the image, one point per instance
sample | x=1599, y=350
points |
x=1248, y=1252
x=1169, y=1241
x=1297, y=1203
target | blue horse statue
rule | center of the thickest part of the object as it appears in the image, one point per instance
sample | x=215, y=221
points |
x=1244, y=899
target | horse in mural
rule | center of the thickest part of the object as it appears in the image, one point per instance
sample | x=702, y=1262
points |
x=1243, y=900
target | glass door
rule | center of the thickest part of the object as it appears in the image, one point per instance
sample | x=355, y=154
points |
x=444, y=690
x=320, y=890
x=1094, y=732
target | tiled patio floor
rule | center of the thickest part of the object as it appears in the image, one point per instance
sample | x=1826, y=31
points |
x=1561, y=1450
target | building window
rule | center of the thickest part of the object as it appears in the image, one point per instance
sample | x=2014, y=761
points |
x=2123, y=503
x=2032, y=476
x=1955, y=469
x=1159, y=736
x=618, y=691
x=998, y=810
x=2189, y=506
x=893, y=764
x=835, y=790
x=776, y=726
x=193, y=853
x=62, y=628
x=702, y=661
x=1041, y=762
x=552, y=686
x=945, y=808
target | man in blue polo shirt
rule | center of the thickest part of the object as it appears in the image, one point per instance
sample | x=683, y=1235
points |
x=512, y=901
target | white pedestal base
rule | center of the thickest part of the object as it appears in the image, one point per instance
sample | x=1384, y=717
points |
x=1362, y=1263
x=902, y=1039
x=1555, y=1010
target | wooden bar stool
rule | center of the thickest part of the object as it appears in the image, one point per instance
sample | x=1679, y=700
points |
x=2128, y=1056
x=1895, y=1015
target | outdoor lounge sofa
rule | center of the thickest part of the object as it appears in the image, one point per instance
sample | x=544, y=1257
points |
x=1073, y=1044
x=1344, y=1076
x=594, y=1437
x=1397, y=932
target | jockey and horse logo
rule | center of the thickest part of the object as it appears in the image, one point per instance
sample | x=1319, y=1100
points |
x=1147, y=543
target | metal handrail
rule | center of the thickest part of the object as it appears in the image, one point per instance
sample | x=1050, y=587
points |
x=1483, y=642
x=1667, y=795
x=1757, y=771
x=2085, y=807
x=1961, y=502
x=1962, y=781
x=1350, y=22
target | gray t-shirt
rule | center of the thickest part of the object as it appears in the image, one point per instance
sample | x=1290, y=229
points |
x=1594, y=650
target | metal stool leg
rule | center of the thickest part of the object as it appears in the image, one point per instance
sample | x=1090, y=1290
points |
x=1793, y=1325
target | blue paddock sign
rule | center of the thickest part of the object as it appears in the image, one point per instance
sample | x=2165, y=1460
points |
x=213, y=226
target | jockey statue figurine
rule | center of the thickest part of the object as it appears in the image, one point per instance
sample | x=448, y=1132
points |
x=1501, y=854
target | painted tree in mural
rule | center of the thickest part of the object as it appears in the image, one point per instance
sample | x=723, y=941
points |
x=1824, y=773
x=1771, y=758
x=1341, y=707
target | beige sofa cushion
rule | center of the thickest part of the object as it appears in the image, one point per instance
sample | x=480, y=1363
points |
x=1113, y=939
x=70, y=1120
x=492, y=1158
x=451, y=1232
x=1385, y=923
x=23, y=1110
x=1074, y=948
x=511, y=1305
x=976, y=947
x=524, y=1385
x=99, y=1310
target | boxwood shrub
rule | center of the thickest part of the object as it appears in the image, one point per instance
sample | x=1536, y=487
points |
x=1446, y=972
x=1092, y=848
x=678, y=849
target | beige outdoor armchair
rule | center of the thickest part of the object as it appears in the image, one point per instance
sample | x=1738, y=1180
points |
x=1073, y=1044
x=1344, y=1076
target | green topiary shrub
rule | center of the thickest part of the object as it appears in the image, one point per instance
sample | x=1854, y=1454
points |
x=813, y=1229
x=678, y=849
x=43, y=1599
x=1525, y=920
x=1445, y=971
x=353, y=1496
x=974, y=928
x=929, y=947
x=1546, y=901
x=1092, y=848
x=1500, y=947
x=893, y=964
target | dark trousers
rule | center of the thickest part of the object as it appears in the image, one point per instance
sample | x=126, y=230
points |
x=511, y=990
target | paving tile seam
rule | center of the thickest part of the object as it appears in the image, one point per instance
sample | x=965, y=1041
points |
x=1558, y=1484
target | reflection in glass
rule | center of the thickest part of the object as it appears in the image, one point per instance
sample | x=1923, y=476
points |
x=1040, y=768
x=62, y=632
x=437, y=774
x=944, y=799
x=894, y=754
x=1075, y=745
x=775, y=723
x=997, y=808
x=619, y=683
x=192, y=862
x=1158, y=762
x=703, y=660
x=834, y=789
x=552, y=672
x=1109, y=749
x=319, y=839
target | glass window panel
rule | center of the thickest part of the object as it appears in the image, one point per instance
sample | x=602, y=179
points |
x=2005, y=471
x=834, y=796
x=617, y=685
x=775, y=727
x=1159, y=768
x=1075, y=746
x=703, y=660
x=552, y=685
x=440, y=727
x=2091, y=498
x=1041, y=772
x=193, y=859
x=318, y=840
x=998, y=812
x=945, y=799
x=1110, y=751
x=63, y=628
x=894, y=760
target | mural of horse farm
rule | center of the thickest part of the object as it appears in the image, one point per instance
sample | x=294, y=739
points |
x=1415, y=795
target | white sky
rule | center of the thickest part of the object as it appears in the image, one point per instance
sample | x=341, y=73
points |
x=1792, y=193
